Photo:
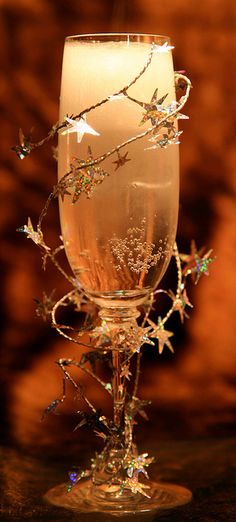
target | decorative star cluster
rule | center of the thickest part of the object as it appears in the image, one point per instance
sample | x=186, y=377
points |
x=129, y=338
x=166, y=133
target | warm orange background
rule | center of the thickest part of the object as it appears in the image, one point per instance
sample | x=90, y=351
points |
x=196, y=387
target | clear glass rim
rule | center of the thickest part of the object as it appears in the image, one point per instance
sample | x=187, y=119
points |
x=133, y=37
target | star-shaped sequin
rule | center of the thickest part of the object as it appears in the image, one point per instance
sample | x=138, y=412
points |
x=25, y=146
x=181, y=303
x=35, y=235
x=132, y=338
x=138, y=464
x=79, y=126
x=196, y=263
x=164, y=48
x=121, y=160
x=86, y=174
x=154, y=110
x=135, y=486
x=102, y=333
x=163, y=140
x=161, y=334
x=45, y=306
x=125, y=372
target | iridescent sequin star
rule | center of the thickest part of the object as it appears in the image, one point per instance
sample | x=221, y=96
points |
x=163, y=140
x=196, y=263
x=136, y=487
x=139, y=464
x=79, y=126
x=181, y=303
x=85, y=176
x=35, y=235
x=132, y=338
x=154, y=109
x=102, y=333
x=161, y=334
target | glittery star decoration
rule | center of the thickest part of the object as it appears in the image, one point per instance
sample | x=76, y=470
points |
x=196, y=263
x=125, y=372
x=102, y=333
x=79, y=126
x=156, y=112
x=24, y=148
x=161, y=334
x=135, y=486
x=164, y=48
x=163, y=140
x=86, y=175
x=121, y=160
x=131, y=338
x=181, y=303
x=138, y=464
x=136, y=406
x=44, y=307
x=35, y=235
x=154, y=109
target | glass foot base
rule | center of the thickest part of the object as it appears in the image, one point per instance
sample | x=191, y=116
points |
x=83, y=498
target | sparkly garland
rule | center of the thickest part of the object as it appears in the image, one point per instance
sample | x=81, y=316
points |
x=105, y=341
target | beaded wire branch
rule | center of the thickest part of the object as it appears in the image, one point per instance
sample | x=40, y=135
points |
x=101, y=339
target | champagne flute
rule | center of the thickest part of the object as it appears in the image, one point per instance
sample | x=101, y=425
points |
x=119, y=218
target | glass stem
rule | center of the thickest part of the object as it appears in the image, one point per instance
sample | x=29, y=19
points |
x=123, y=318
x=118, y=388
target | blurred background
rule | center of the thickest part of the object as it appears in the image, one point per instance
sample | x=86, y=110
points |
x=194, y=391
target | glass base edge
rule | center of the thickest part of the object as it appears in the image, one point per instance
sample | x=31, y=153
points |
x=81, y=498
